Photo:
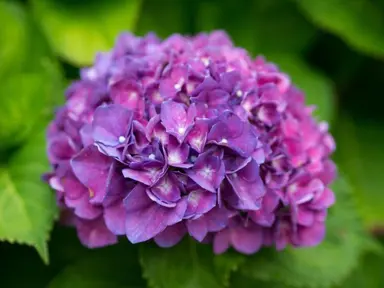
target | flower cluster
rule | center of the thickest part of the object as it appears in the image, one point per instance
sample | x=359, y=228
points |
x=189, y=135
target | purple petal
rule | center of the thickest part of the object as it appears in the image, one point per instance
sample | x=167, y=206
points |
x=221, y=241
x=60, y=148
x=231, y=132
x=94, y=233
x=155, y=130
x=234, y=164
x=97, y=172
x=311, y=236
x=146, y=219
x=200, y=202
x=83, y=208
x=248, y=187
x=167, y=189
x=111, y=125
x=114, y=217
x=176, y=120
x=208, y=172
x=178, y=154
x=171, y=235
x=197, y=228
x=247, y=240
x=86, y=135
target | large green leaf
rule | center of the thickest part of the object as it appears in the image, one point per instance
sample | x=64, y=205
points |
x=359, y=22
x=368, y=275
x=317, y=87
x=262, y=27
x=27, y=205
x=13, y=35
x=327, y=264
x=26, y=101
x=112, y=267
x=187, y=265
x=360, y=153
x=77, y=30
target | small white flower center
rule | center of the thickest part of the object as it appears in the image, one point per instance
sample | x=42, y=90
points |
x=174, y=157
x=166, y=187
x=181, y=130
x=151, y=156
x=122, y=139
x=179, y=84
x=133, y=95
x=292, y=188
x=205, y=61
x=223, y=141
x=206, y=172
x=239, y=93
x=193, y=198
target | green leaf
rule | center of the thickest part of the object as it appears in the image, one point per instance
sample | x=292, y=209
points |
x=360, y=154
x=26, y=101
x=186, y=265
x=368, y=275
x=251, y=26
x=317, y=87
x=77, y=30
x=27, y=205
x=112, y=267
x=321, y=266
x=13, y=35
x=359, y=22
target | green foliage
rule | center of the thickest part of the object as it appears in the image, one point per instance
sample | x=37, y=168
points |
x=186, y=265
x=322, y=266
x=114, y=267
x=27, y=206
x=364, y=169
x=358, y=22
x=78, y=30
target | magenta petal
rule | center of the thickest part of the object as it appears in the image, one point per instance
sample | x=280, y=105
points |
x=198, y=135
x=83, y=208
x=128, y=94
x=175, y=119
x=94, y=233
x=323, y=200
x=221, y=241
x=312, y=235
x=171, y=235
x=248, y=187
x=208, y=172
x=114, y=217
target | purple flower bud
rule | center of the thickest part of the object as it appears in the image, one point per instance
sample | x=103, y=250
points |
x=160, y=139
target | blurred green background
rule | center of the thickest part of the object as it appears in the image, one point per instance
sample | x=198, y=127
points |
x=333, y=50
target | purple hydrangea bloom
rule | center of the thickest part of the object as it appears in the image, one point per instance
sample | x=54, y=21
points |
x=190, y=136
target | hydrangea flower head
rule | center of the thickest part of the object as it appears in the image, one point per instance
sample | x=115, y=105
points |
x=190, y=136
